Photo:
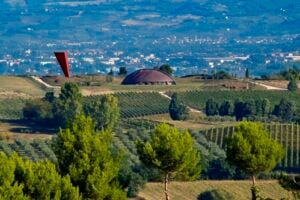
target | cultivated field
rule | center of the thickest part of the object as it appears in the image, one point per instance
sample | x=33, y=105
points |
x=191, y=190
x=11, y=108
x=197, y=99
x=34, y=151
x=288, y=135
x=196, y=122
x=135, y=104
x=15, y=86
x=99, y=85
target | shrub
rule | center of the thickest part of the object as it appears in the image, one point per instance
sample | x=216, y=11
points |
x=292, y=86
x=177, y=110
x=216, y=194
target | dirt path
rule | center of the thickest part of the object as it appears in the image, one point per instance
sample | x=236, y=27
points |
x=168, y=97
x=268, y=87
x=39, y=80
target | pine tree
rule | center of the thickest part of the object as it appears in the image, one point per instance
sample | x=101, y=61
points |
x=171, y=152
x=104, y=112
x=33, y=180
x=86, y=156
x=68, y=104
x=251, y=150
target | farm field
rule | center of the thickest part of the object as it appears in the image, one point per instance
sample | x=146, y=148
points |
x=11, y=108
x=135, y=104
x=98, y=85
x=36, y=150
x=182, y=84
x=197, y=124
x=198, y=98
x=15, y=86
x=135, y=101
x=132, y=104
x=288, y=135
x=191, y=190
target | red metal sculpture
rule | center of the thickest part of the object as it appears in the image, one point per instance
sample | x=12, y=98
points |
x=62, y=58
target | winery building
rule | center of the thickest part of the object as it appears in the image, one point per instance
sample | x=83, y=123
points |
x=148, y=77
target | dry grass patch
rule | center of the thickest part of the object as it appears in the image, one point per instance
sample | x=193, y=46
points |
x=14, y=86
x=240, y=190
x=188, y=124
x=275, y=83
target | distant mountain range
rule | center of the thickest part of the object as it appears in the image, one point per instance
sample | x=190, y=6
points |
x=191, y=35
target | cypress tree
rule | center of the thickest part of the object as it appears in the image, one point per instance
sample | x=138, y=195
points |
x=177, y=110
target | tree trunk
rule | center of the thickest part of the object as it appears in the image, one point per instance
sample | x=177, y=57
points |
x=253, y=180
x=166, y=186
x=254, y=189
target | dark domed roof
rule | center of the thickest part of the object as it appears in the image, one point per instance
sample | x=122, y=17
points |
x=148, y=77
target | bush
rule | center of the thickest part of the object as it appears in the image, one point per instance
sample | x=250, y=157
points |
x=216, y=194
x=292, y=86
x=37, y=110
x=177, y=110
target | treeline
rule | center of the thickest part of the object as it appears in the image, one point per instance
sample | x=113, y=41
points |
x=260, y=109
x=289, y=74
x=59, y=111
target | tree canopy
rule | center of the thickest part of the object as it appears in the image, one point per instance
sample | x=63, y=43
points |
x=86, y=156
x=220, y=75
x=104, y=112
x=177, y=110
x=292, y=85
x=171, y=152
x=211, y=107
x=252, y=150
x=68, y=104
x=166, y=68
x=284, y=110
x=21, y=179
x=122, y=71
x=226, y=108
